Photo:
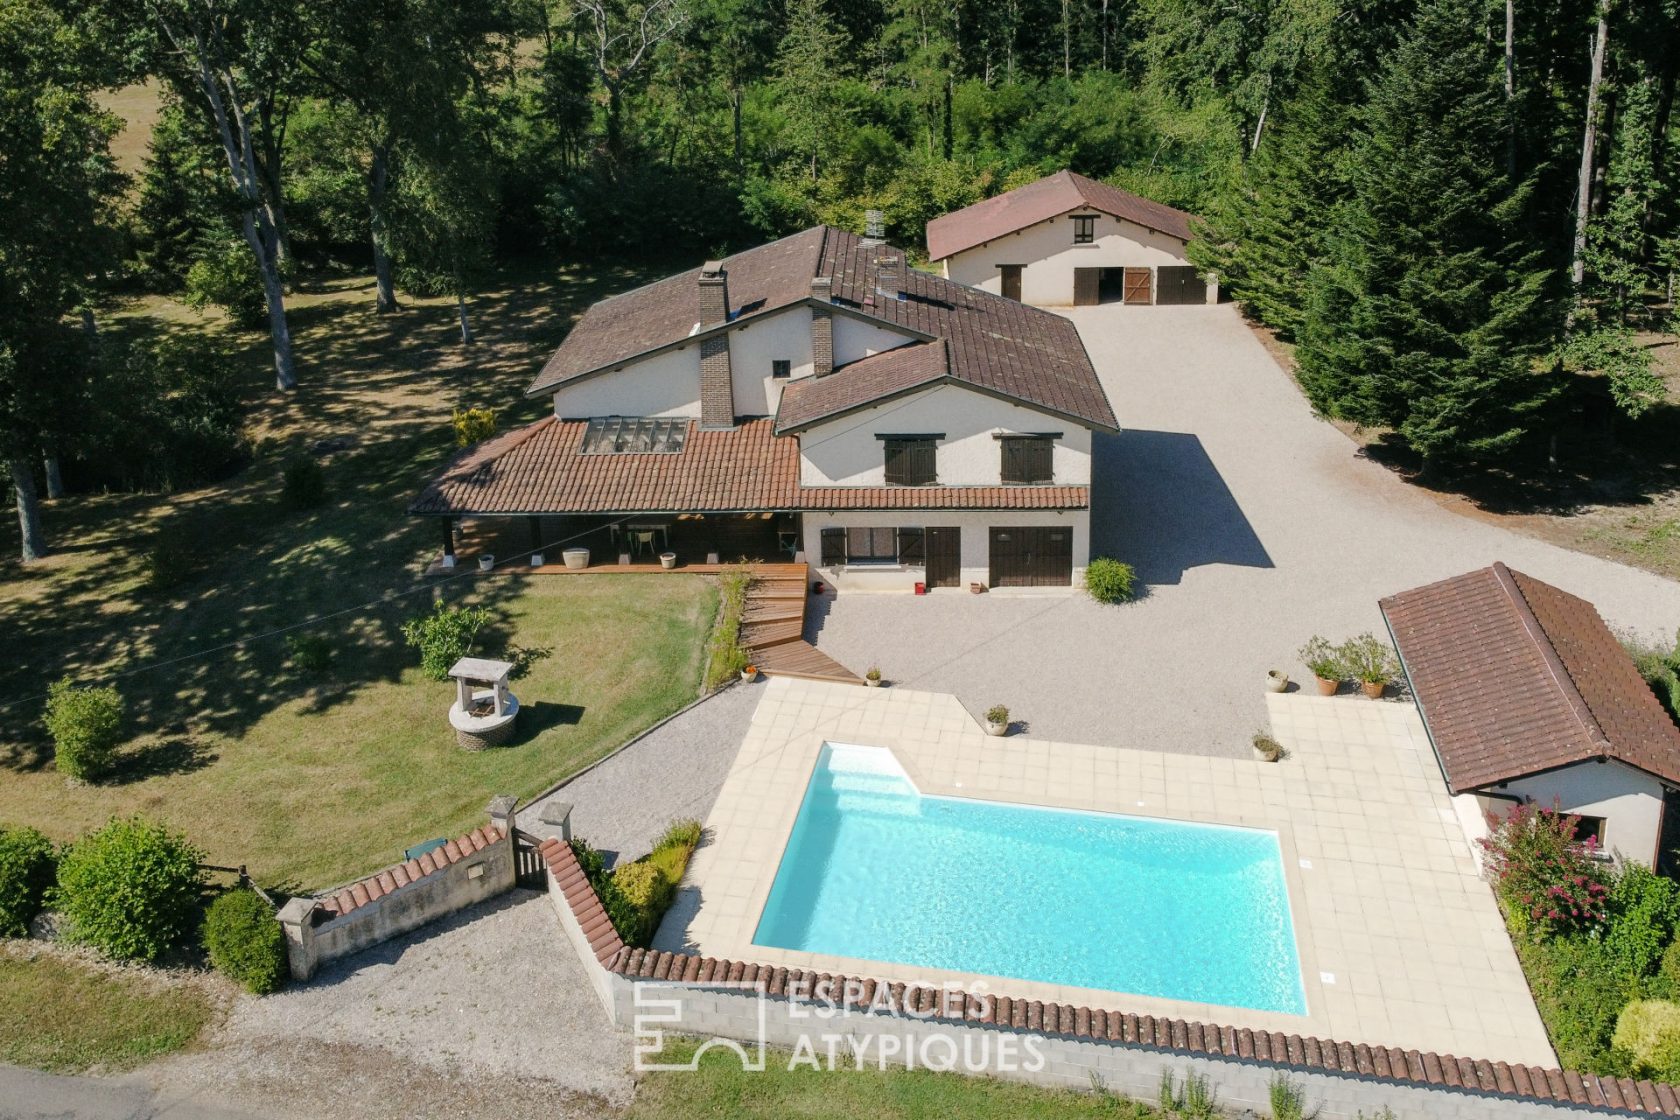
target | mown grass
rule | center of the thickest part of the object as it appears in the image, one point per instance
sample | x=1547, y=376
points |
x=66, y=1017
x=720, y=1088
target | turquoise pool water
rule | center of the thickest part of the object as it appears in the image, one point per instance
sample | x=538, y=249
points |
x=879, y=871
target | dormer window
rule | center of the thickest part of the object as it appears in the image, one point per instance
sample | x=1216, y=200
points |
x=780, y=368
x=1084, y=229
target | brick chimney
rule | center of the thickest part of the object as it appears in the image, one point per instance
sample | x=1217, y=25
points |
x=717, y=390
x=887, y=279
x=822, y=326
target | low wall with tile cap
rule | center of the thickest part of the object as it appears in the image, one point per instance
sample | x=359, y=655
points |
x=465, y=871
x=1077, y=1045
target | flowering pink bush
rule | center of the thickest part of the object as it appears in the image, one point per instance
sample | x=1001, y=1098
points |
x=1548, y=880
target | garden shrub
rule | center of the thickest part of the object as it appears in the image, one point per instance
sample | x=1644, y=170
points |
x=1578, y=990
x=1649, y=1030
x=86, y=725
x=1643, y=909
x=624, y=916
x=1108, y=580
x=26, y=874
x=724, y=656
x=680, y=834
x=244, y=941
x=444, y=636
x=310, y=653
x=1666, y=983
x=1547, y=880
x=174, y=558
x=649, y=891
x=1660, y=666
x=303, y=485
x=473, y=424
x=131, y=889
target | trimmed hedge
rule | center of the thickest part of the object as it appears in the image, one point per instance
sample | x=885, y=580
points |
x=131, y=889
x=27, y=868
x=1108, y=580
x=1649, y=1029
x=245, y=942
x=86, y=725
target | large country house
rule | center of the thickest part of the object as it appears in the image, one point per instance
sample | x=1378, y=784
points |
x=810, y=397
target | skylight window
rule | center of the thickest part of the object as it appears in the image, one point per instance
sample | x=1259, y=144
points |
x=635, y=435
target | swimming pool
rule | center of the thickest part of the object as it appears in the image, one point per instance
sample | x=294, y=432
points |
x=877, y=870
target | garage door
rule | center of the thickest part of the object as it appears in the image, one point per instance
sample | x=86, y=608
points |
x=1137, y=286
x=1179, y=284
x=1032, y=556
x=1087, y=284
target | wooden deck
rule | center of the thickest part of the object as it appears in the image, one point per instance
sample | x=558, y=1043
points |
x=773, y=627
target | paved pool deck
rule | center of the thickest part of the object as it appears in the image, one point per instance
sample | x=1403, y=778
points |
x=1400, y=941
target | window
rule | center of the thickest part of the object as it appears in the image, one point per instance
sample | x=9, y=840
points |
x=780, y=368
x=1028, y=458
x=627, y=435
x=1590, y=828
x=872, y=545
x=1084, y=229
x=910, y=460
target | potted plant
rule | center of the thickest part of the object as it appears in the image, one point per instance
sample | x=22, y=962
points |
x=1277, y=680
x=976, y=588
x=873, y=677
x=997, y=720
x=1371, y=662
x=1324, y=661
x=575, y=558
x=667, y=560
x=1268, y=748
x=749, y=673
x=486, y=562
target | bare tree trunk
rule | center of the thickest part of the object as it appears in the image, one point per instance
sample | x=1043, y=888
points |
x=1260, y=125
x=285, y=369
x=29, y=511
x=379, y=171
x=273, y=143
x=1067, y=40
x=1589, y=141
x=461, y=312
x=1511, y=87
x=55, y=477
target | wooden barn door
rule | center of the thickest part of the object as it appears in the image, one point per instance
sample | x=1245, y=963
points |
x=1138, y=287
x=1087, y=284
x=1032, y=556
x=1179, y=284
x=944, y=557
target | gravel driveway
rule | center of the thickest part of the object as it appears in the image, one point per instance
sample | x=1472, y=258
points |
x=1253, y=525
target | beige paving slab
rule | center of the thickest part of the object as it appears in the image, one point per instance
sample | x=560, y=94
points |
x=1400, y=942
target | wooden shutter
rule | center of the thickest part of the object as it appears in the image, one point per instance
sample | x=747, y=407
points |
x=833, y=547
x=1027, y=459
x=898, y=463
x=911, y=547
x=923, y=471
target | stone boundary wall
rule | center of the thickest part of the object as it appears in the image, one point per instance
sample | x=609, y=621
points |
x=465, y=871
x=1077, y=1047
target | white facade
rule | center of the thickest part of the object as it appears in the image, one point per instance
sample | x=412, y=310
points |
x=1048, y=256
x=847, y=451
x=1629, y=801
x=976, y=527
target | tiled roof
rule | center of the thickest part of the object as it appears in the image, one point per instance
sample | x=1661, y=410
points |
x=382, y=883
x=996, y=344
x=540, y=468
x=1514, y=676
x=1049, y=197
x=1104, y=1026
x=877, y=377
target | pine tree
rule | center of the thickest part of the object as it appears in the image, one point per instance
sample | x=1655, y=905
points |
x=1433, y=307
x=809, y=66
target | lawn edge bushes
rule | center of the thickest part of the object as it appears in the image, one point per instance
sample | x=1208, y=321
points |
x=636, y=895
x=86, y=726
x=244, y=941
x=131, y=889
x=28, y=867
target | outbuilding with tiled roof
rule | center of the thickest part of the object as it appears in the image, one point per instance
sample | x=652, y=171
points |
x=1068, y=240
x=1529, y=697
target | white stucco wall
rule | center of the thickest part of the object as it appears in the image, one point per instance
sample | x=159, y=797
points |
x=665, y=384
x=1048, y=256
x=754, y=345
x=1629, y=800
x=846, y=452
x=976, y=544
x=856, y=338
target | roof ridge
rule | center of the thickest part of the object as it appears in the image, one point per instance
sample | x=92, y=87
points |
x=1538, y=634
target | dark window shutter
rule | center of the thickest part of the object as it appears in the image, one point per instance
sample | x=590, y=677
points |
x=925, y=472
x=1012, y=471
x=1028, y=459
x=896, y=464
x=911, y=547
x=833, y=547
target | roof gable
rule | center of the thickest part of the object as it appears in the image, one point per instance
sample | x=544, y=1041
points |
x=1514, y=676
x=1040, y=201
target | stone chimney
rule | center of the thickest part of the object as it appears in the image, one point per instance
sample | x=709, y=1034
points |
x=822, y=326
x=717, y=390
x=714, y=293
x=888, y=281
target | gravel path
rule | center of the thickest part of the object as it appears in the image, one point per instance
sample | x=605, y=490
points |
x=675, y=771
x=486, y=1009
x=1254, y=526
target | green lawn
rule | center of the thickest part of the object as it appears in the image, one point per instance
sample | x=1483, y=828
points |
x=721, y=1089
x=312, y=780
x=65, y=1017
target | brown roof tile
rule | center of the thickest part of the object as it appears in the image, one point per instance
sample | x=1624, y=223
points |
x=541, y=469
x=1514, y=676
x=808, y=400
x=1047, y=198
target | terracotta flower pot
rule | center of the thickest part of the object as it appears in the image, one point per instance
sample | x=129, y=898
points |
x=1328, y=688
x=1373, y=689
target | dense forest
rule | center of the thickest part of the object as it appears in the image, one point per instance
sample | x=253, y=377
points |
x=1452, y=210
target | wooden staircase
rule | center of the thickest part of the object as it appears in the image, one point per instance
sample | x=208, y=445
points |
x=773, y=627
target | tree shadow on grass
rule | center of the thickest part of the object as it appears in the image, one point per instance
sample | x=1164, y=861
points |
x=157, y=759
x=541, y=716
